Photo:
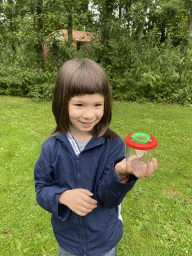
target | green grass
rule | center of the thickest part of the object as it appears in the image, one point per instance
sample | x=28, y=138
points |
x=156, y=212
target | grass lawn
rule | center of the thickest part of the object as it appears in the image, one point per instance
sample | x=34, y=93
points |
x=157, y=212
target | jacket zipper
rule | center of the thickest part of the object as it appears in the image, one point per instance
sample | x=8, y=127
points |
x=83, y=235
x=81, y=222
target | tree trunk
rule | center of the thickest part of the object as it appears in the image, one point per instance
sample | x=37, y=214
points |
x=70, y=28
x=127, y=9
x=106, y=20
x=163, y=37
x=10, y=17
x=120, y=6
x=39, y=46
x=139, y=31
x=189, y=26
x=69, y=4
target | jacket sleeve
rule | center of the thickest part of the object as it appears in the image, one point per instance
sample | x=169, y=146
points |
x=110, y=190
x=47, y=192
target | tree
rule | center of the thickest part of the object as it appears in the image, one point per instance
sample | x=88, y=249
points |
x=167, y=17
x=9, y=21
x=39, y=28
x=69, y=4
x=189, y=20
x=142, y=20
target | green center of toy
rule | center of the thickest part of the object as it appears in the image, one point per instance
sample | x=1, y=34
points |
x=141, y=138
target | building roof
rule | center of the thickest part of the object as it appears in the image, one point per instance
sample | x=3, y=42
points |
x=62, y=34
x=77, y=35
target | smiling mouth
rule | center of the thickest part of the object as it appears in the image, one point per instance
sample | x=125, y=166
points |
x=86, y=122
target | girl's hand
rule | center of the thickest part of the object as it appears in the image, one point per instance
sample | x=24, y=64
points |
x=134, y=165
x=78, y=200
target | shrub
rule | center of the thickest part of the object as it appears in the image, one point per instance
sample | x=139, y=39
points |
x=18, y=81
x=147, y=71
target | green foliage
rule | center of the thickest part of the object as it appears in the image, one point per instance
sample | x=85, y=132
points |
x=145, y=72
x=19, y=81
x=41, y=91
x=156, y=67
x=137, y=73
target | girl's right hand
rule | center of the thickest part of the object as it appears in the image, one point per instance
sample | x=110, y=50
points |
x=78, y=200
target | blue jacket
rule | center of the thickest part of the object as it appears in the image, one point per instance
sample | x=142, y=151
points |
x=59, y=169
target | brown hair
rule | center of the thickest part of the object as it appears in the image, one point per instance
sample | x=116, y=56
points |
x=78, y=77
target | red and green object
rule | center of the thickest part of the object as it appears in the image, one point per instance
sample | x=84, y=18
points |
x=141, y=141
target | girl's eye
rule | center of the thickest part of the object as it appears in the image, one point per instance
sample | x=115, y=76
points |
x=81, y=105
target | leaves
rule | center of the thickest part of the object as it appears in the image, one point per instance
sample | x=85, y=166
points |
x=156, y=67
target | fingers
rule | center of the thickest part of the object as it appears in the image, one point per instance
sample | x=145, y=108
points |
x=136, y=166
x=78, y=200
x=144, y=154
x=151, y=167
x=150, y=170
x=131, y=158
x=83, y=211
x=85, y=208
x=87, y=204
x=86, y=196
x=154, y=161
x=85, y=191
x=129, y=163
x=139, y=169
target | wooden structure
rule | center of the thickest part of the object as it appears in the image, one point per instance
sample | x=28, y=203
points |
x=79, y=38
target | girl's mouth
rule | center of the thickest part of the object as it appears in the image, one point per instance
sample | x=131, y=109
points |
x=86, y=123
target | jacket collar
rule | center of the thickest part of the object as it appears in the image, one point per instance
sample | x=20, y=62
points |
x=94, y=141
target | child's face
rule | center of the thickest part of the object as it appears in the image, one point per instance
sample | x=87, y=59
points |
x=85, y=112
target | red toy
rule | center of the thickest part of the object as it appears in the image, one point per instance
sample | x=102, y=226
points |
x=138, y=143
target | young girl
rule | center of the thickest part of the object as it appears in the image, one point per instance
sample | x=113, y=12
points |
x=82, y=175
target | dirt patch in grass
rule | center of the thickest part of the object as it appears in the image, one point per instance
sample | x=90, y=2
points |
x=172, y=192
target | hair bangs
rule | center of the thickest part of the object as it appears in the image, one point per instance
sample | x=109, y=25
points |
x=87, y=81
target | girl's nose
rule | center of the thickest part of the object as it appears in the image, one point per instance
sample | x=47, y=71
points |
x=88, y=114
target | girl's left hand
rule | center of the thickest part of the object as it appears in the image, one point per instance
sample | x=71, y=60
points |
x=134, y=165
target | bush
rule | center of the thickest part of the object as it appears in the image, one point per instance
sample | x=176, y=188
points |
x=58, y=52
x=18, y=81
x=145, y=71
